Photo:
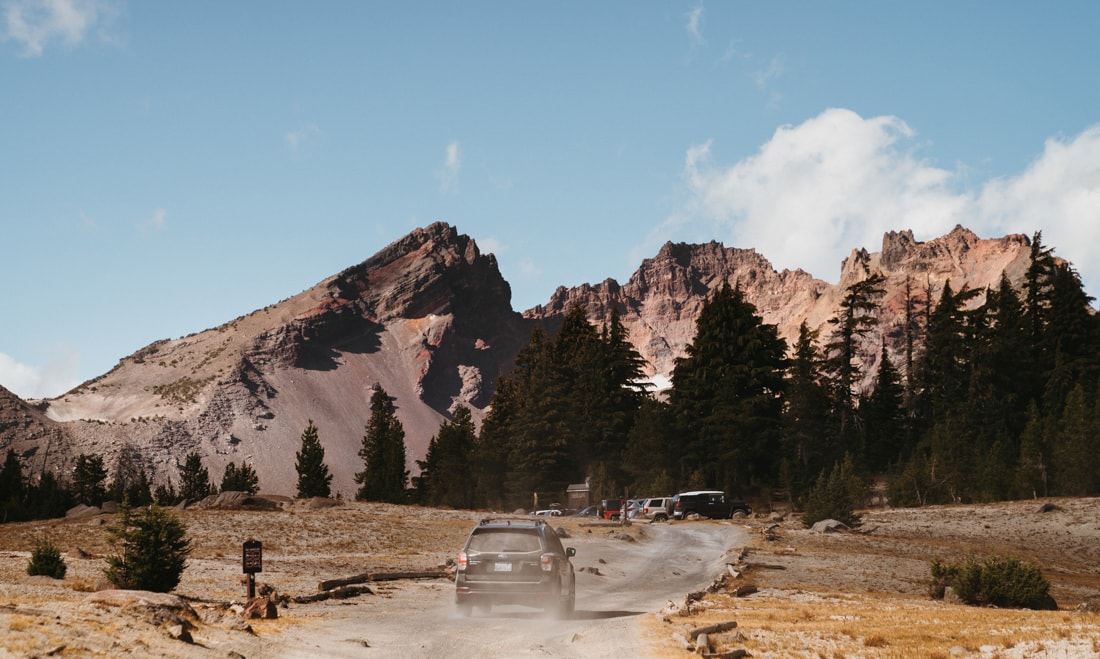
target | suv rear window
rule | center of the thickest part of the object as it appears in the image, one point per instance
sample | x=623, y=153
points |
x=504, y=541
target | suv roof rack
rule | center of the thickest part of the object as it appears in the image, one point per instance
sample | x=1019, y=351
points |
x=497, y=520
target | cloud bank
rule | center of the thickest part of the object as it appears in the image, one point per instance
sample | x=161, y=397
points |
x=55, y=378
x=34, y=23
x=838, y=181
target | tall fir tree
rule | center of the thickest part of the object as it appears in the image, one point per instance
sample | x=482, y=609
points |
x=12, y=489
x=384, y=476
x=314, y=479
x=884, y=418
x=727, y=395
x=808, y=437
x=195, y=482
x=89, y=478
x=854, y=320
x=444, y=478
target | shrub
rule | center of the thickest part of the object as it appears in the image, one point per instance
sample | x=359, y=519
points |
x=154, y=550
x=831, y=497
x=1001, y=582
x=46, y=560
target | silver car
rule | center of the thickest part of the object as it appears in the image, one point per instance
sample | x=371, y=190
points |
x=656, y=509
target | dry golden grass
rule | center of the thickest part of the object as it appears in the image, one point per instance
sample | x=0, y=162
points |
x=838, y=595
x=865, y=594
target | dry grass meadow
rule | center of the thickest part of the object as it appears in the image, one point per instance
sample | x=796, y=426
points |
x=830, y=596
x=865, y=594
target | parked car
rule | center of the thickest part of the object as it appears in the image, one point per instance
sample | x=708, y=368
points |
x=707, y=503
x=549, y=512
x=515, y=562
x=633, y=507
x=588, y=511
x=610, y=508
x=657, y=509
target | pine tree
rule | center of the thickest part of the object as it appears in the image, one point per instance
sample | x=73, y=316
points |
x=240, y=479
x=89, y=477
x=445, y=471
x=491, y=452
x=314, y=479
x=855, y=319
x=194, y=479
x=1076, y=466
x=883, y=417
x=384, y=476
x=727, y=395
x=130, y=482
x=832, y=497
x=152, y=549
x=49, y=497
x=808, y=435
x=12, y=489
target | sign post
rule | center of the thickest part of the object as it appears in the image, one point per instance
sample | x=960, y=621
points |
x=252, y=561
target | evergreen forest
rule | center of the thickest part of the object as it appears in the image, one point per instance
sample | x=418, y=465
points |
x=992, y=395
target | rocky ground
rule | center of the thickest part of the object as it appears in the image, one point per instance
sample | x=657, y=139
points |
x=866, y=593
x=857, y=594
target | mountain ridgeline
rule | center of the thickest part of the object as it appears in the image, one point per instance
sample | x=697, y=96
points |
x=881, y=369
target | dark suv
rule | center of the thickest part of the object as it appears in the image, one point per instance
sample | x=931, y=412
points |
x=515, y=562
x=707, y=503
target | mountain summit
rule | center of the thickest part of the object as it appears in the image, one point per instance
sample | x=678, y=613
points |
x=429, y=319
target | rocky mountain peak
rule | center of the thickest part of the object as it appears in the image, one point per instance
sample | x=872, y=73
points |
x=429, y=319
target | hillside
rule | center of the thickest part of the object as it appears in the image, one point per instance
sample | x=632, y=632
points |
x=429, y=319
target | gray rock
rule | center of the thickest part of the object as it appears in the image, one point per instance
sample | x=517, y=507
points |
x=829, y=526
x=81, y=511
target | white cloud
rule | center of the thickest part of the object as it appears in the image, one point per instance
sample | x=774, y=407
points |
x=775, y=68
x=491, y=245
x=34, y=23
x=1059, y=194
x=296, y=139
x=693, y=27
x=57, y=377
x=452, y=165
x=817, y=190
x=154, y=222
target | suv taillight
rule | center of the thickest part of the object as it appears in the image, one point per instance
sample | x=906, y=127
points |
x=546, y=561
x=645, y=511
x=462, y=560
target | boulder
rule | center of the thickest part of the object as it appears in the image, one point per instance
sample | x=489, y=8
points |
x=829, y=526
x=260, y=607
x=81, y=511
x=320, y=503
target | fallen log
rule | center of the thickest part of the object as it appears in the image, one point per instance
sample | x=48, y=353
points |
x=716, y=628
x=340, y=592
x=730, y=654
x=381, y=576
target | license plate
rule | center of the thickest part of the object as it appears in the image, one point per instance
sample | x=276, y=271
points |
x=502, y=567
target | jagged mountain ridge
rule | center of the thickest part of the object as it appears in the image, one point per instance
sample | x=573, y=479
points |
x=659, y=304
x=429, y=319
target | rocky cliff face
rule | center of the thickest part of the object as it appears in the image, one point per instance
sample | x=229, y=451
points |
x=659, y=304
x=429, y=319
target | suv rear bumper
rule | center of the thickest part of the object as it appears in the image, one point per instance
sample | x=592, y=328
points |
x=538, y=593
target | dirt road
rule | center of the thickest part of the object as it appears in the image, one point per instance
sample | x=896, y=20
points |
x=617, y=581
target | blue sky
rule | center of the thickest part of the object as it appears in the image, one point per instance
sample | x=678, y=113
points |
x=168, y=166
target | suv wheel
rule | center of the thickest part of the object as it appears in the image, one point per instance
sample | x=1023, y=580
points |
x=660, y=517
